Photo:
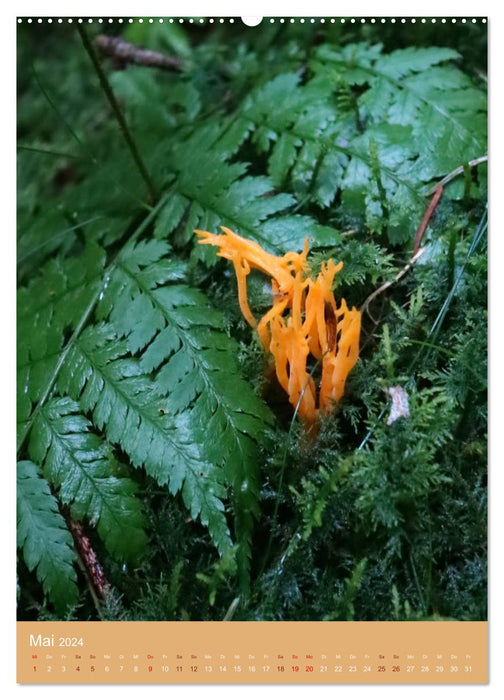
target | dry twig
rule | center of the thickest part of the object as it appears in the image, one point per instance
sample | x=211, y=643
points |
x=426, y=218
x=386, y=285
x=458, y=171
x=124, y=52
x=417, y=251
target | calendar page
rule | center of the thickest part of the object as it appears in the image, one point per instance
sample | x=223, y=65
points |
x=252, y=350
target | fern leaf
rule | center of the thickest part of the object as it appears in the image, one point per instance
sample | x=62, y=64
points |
x=283, y=157
x=296, y=119
x=425, y=115
x=438, y=101
x=80, y=465
x=170, y=215
x=216, y=189
x=48, y=232
x=209, y=191
x=44, y=538
x=100, y=374
x=184, y=340
x=48, y=308
x=398, y=64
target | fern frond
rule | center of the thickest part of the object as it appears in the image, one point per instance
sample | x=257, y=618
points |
x=319, y=149
x=415, y=88
x=312, y=501
x=209, y=191
x=48, y=308
x=44, y=538
x=101, y=375
x=183, y=339
x=425, y=116
x=293, y=122
x=81, y=466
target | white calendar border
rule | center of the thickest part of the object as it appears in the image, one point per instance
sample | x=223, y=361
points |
x=228, y=8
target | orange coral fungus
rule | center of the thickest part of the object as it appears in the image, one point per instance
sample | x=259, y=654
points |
x=304, y=321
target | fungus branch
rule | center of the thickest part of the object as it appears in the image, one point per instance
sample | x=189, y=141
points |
x=315, y=325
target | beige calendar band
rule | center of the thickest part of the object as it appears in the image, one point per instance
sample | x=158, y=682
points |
x=252, y=652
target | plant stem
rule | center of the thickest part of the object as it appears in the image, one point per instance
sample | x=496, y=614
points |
x=386, y=285
x=88, y=155
x=49, y=152
x=117, y=112
x=60, y=234
x=455, y=173
x=481, y=230
x=124, y=52
x=426, y=218
x=55, y=108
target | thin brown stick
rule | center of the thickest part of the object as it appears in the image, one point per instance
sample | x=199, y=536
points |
x=427, y=217
x=386, y=285
x=124, y=52
x=437, y=191
x=455, y=173
x=417, y=251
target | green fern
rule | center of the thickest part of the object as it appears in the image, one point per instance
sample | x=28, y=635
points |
x=48, y=308
x=436, y=122
x=197, y=371
x=421, y=120
x=106, y=380
x=344, y=599
x=412, y=469
x=44, y=538
x=82, y=467
x=210, y=191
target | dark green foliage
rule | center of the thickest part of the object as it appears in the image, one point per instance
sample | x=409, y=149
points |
x=343, y=606
x=132, y=410
x=48, y=308
x=146, y=409
x=82, y=467
x=44, y=538
x=420, y=120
